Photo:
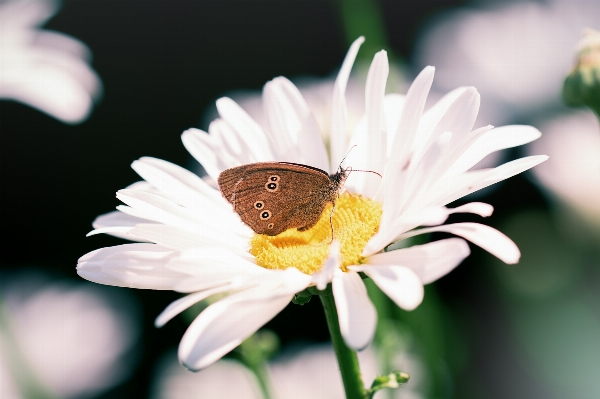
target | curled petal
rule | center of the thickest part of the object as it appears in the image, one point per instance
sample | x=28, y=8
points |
x=400, y=283
x=429, y=261
x=332, y=263
x=356, y=313
x=486, y=237
x=226, y=323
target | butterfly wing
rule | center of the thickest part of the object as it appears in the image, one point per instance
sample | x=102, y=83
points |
x=272, y=197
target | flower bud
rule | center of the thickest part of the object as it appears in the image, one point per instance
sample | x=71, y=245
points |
x=582, y=86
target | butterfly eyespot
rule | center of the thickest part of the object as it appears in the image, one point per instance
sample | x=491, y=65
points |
x=274, y=178
x=265, y=215
x=259, y=204
x=272, y=186
x=270, y=226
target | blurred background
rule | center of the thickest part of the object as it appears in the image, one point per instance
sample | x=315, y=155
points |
x=88, y=86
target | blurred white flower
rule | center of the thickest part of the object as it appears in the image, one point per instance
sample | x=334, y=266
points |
x=71, y=340
x=517, y=54
x=224, y=379
x=573, y=172
x=309, y=373
x=44, y=69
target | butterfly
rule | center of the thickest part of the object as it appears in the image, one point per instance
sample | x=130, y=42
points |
x=272, y=197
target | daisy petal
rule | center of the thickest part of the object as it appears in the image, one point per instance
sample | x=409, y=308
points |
x=225, y=324
x=429, y=261
x=374, y=95
x=290, y=116
x=332, y=263
x=246, y=128
x=492, y=141
x=469, y=182
x=456, y=118
x=357, y=315
x=232, y=150
x=130, y=265
x=206, y=150
x=179, y=184
x=182, y=304
x=372, y=142
x=411, y=115
x=484, y=236
x=156, y=208
x=479, y=208
x=400, y=283
x=213, y=266
x=116, y=219
x=339, y=110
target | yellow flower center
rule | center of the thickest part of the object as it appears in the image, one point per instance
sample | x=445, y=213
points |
x=355, y=220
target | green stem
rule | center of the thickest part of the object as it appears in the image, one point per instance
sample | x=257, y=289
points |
x=347, y=359
x=261, y=374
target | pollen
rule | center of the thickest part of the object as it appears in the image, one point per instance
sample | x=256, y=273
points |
x=355, y=220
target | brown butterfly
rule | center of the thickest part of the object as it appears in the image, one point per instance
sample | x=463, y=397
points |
x=272, y=197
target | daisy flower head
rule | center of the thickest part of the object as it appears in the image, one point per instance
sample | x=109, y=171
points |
x=192, y=241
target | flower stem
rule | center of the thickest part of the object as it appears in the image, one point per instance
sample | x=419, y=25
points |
x=347, y=359
x=260, y=372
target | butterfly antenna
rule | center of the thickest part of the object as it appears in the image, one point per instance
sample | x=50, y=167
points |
x=346, y=156
x=367, y=171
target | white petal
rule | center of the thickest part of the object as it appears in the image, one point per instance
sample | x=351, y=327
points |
x=403, y=178
x=494, y=140
x=130, y=265
x=356, y=313
x=469, y=182
x=433, y=115
x=374, y=94
x=339, y=110
x=479, y=208
x=400, y=283
x=332, y=263
x=455, y=119
x=411, y=116
x=225, y=324
x=233, y=150
x=206, y=149
x=393, y=105
x=429, y=261
x=247, y=129
x=159, y=209
x=432, y=170
x=486, y=237
x=117, y=219
x=185, y=302
x=179, y=184
x=211, y=266
x=179, y=239
x=427, y=217
x=289, y=116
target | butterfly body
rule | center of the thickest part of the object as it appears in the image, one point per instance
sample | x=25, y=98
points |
x=272, y=197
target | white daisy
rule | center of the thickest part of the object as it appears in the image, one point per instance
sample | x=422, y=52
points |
x=289, y=375
x=195, y=243
x=516, y=53
x=44, y=69
x=573, y=176
x=61, y=338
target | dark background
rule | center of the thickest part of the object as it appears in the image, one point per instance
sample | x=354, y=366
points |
x=162, y=64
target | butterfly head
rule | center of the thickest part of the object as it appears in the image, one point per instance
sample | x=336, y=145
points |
x=339, y=177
